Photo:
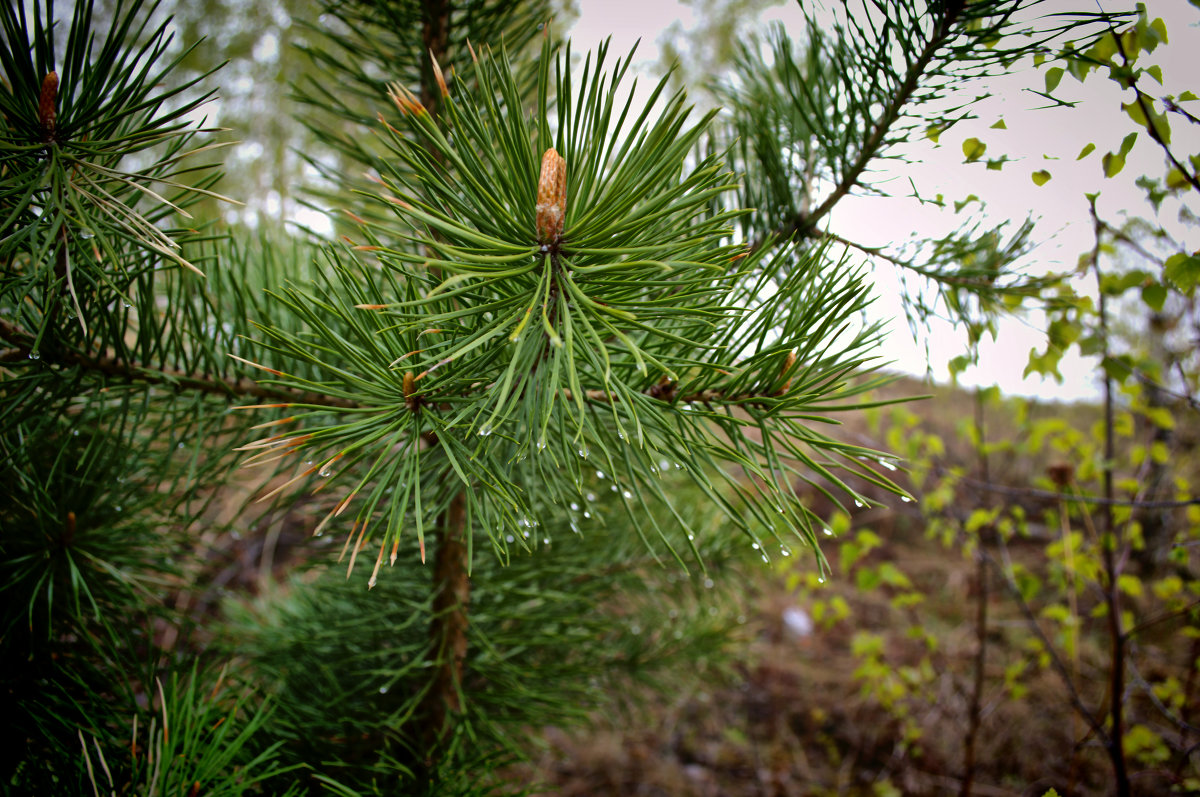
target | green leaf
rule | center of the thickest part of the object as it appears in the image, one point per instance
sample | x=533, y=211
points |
x=999, y=125
x=1134, y=111
x=1127, y=143
x=1083, y=153
x=1183, y=271
x=1041, y=177
x=973, y=149
x=1053, y=78
x=1119, y=368
x=1113, y=164
x=1187, y=96
x=1155, y=72
x=1154, y=296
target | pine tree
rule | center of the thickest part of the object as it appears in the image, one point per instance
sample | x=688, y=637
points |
x=561, y=355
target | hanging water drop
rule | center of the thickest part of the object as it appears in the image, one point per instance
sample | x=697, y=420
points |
x=627, y=494
x=324, y=471
x=541, y=444
x=785, y=551
x=583, y=453
x=828, y=531
x=599, y=474
x=765, y=559
x=574, y=507
x=591, y=496
x=383, y=690
x=485, y=430
x=35, y=355
x=708, y=583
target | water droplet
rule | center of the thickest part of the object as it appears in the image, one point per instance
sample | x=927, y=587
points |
x=117, y=508
x=741, y=619
x=583, y=453
x=74, y=433
x=613, y=487
x=635, y=629
x=485, y=430
x=541, y=444
x=324, y=471
x=86, y=234
x=691, y=536
x=627, y=494
x=906, y=499
x=35, y=355
x=575, y=527
x=678, y=466
x=820, y=579
x=574, y=507
x=587, y=514
x=708, y=583
x=126, y=304
x=785, y=552
x=371, y=582
x=887, y=464
x=765, y=559
x=663, y=464
x=858, y=503
x=509, y=538
x=383, y=690
x=308, y=461
x=621, y=435
x=754, y=546
x=673, y=614
x=545, y=540
x=599, y=474
x=591, y=496
x=828, y=531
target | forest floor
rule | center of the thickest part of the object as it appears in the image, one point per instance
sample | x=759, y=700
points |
x=866, y=685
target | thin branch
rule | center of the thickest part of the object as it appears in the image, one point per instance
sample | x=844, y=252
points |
x=1051, y=495
x=803, y=224
x=1147, y=111
x=112, y=366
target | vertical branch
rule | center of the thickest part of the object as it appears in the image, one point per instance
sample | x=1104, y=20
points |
x=1108, y=546
x=974, y=712
x=448, y=629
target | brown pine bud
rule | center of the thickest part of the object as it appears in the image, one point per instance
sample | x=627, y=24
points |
x=46, y=102
x=551, y=198
x=787, y=366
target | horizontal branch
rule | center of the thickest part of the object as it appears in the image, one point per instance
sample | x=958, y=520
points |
x=177, y=380
x=1050, y=495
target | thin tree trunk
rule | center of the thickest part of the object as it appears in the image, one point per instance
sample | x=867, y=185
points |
x=1116, y=745
x=448, y=629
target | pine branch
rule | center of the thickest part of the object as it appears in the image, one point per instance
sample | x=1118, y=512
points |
x=114, y=367
x=803, y=225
